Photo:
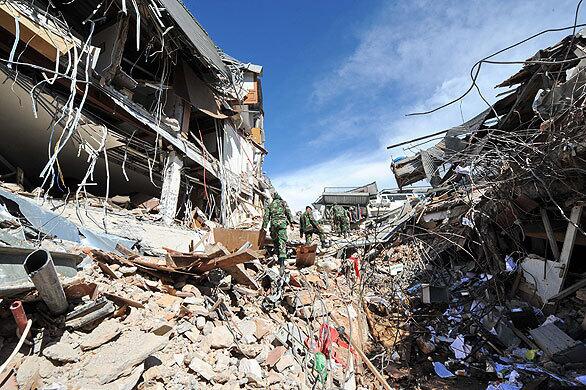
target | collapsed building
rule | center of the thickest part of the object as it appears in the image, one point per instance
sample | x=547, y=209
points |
x=490, y=286
x=128, y=108
x=509, y=180
x=130, y=98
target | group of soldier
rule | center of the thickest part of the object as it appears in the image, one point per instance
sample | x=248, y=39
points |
x=279, y=216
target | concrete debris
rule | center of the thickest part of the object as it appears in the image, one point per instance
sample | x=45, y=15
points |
x=221, y=337
x=248, y=330
x=148, y=215
x=107, y=364
x=251, y=370
x=285, y=362
x=28, y=371
x=275, y=355
x=103, y=333
x=201, y=368
x=62, y=352
x=488, y=252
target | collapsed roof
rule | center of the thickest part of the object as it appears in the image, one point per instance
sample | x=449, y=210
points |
x=130, y=96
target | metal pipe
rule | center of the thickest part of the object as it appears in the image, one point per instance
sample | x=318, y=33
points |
x=41, y=269
x=19, y=316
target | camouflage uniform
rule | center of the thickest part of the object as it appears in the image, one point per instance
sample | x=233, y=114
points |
x=278, y=214
x=341, y=220
x=308, y=226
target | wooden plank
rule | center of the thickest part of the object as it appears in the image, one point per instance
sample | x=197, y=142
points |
x=550, y=235
x=117, y=299
x=228, y=261
x=233, y=239
x=104, y=267
x=252, y=95
x=185, y=119
x=569, y=291
x=188, y=260
x=240, y=276
x=126, y=252
x=40, y=38
x=216, y=250
x=559, y=237
x=305, y=255
x=256, y=135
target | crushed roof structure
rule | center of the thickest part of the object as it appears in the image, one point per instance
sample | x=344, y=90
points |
x=350, y=196
x=131, y=98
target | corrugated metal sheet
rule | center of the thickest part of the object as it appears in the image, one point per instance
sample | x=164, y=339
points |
x=356, y=198
x=350, y=196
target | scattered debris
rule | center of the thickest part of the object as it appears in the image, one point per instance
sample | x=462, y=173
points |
x=150, y=270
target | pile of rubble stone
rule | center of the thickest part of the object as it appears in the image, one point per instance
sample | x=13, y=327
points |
x=479, y=283
x=193, y=318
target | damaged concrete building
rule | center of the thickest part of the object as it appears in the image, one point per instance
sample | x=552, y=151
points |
x=132, y=164
x=491, y=257
x=130, y=98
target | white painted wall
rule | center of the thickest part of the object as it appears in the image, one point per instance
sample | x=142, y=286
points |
x=238, y=152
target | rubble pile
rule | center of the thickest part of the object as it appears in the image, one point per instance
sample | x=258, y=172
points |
x=131, y=258
x=480, y=283
x=215, y=314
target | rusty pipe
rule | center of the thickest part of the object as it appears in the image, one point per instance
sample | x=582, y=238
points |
x=19, y=316
x=41, y=269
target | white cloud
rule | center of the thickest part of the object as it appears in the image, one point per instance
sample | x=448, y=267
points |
x=302, y=187
x=416, y=45
x=412, y=57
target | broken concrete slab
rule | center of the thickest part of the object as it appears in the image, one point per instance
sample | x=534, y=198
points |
x=127, y=382
x=28, y=371
x=202, y=368
x=108, y=363
x=558, y=345
x=103, y=333
x=221, y=337
x=62, y=352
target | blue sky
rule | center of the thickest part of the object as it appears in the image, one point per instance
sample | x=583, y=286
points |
x=340, y=75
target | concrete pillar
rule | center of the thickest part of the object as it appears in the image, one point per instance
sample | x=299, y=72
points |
x=171, y=186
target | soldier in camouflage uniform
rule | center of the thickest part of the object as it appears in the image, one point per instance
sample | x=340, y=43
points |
x=341, y=220
x=278, y=214
x=308, y=226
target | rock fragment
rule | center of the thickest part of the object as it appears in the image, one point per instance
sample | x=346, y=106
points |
x=105, y=332
x=202, y=368
x=221, y=337
x=61, y=352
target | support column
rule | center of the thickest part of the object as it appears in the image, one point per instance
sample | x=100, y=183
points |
x=171, y=186
x=569, y=241
x=550, y=235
